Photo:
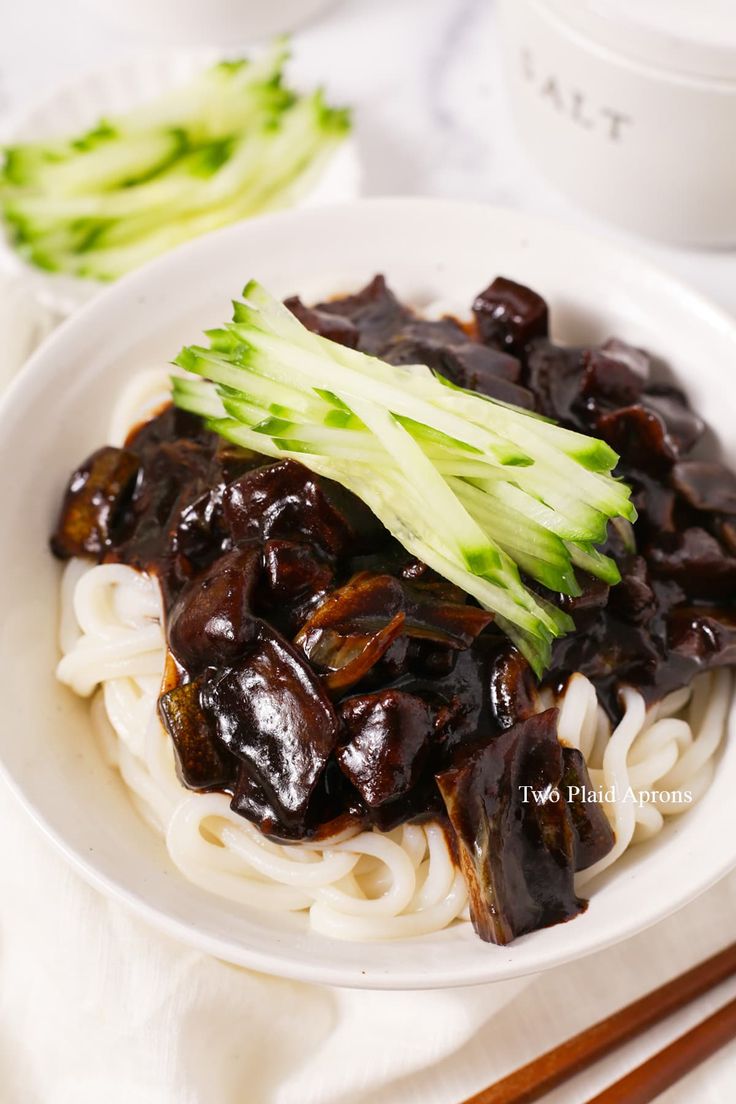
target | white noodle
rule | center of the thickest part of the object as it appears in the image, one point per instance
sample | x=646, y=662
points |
x=140, y=398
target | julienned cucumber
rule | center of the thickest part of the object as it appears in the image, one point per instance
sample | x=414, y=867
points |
x=234, y=142
x=478, y=490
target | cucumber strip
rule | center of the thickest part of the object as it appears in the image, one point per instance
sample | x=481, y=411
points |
x=113, y=163
x=280, y=360
x=321, y=440
x=245, y=412
x=258, y=390
x=590, y=452
x=562, y=514
x=533, y=550
x=595, y=563
x=625, y=531
x=511, y=523
x=197, y=396
x=538, y=552
x=478, y=552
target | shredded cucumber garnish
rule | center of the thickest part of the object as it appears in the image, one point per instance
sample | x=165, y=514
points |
x=234, y=142
x=480, y=491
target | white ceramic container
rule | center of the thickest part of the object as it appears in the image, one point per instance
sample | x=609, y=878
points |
x=58, y=410
x=629, y=107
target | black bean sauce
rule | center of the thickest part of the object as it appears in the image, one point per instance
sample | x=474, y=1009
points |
x=324, y=678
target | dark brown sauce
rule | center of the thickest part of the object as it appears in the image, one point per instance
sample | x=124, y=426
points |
x=325, y=679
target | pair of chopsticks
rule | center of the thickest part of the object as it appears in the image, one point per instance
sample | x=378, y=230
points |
x=652, y=1077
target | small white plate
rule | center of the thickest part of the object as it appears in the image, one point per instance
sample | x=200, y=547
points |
x=118, y=88
x=57, y=411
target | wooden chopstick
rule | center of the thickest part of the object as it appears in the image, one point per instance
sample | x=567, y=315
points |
x=545, y=1073
x=667, y=1066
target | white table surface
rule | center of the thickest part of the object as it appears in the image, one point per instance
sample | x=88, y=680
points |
x=424, y=78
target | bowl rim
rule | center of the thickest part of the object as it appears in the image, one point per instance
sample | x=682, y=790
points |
x=281, y=962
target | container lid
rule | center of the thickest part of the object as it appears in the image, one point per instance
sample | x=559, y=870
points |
x=693, y=37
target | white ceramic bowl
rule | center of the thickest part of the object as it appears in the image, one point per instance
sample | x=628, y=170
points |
x=57, y=411
x=119, y=87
